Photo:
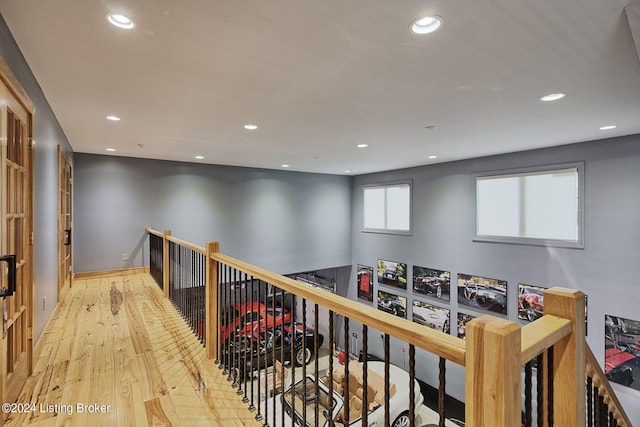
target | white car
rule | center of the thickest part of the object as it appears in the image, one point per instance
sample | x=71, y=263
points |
x=435, y=319
x=304, y=393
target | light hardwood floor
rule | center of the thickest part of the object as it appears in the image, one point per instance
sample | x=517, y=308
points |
x=117, y=342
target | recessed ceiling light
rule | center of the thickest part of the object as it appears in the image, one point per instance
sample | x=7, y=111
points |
x=430, y=127
x=120, y=21
x=347, y=171
x=111, y=150
x=199, y=157
x=250, y=126
x=113, y=118
x=426, y=25
x=433, y=157
x=285, y=166
x=552, y=97
x=608, y=127
x=362, y=145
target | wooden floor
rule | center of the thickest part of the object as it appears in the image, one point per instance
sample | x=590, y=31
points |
x=116, y=343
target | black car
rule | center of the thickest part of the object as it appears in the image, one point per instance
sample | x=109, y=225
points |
x=393, y=306
x=251, y=353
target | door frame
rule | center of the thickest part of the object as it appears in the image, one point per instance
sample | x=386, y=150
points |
x=18, y=94
x=63, y=160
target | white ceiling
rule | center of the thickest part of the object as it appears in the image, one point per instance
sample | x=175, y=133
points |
x=319, y=77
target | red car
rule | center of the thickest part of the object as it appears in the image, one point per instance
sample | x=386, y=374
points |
x=249, y=317
x=619, y=365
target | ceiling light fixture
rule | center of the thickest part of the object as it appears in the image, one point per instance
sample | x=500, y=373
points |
x=347, y=171
x=362, y=145
x=113, y=118
x=426, y=25
x=111, y=150
x=608, y=127
x=285, y=166
x=433, y=157
x=250, y=126
x=199, y=157
x=120, y=21
x=552, y=97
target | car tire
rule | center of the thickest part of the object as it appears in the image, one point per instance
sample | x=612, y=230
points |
x=303, y=356
x=439, y=292
x=531, y=315
x=402, y=420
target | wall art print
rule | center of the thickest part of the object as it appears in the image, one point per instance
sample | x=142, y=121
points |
x=483, y=293
x=365, y=282
x=432, y=316
x=463, y=319
x=393, y=304
x=432, y=282
x=622, y=351
x=392, y=273
x=530, y=302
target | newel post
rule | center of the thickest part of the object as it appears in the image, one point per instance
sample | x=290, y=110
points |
x=165, y=263
x=492, y=379
x=568, y=357
x=211, y=301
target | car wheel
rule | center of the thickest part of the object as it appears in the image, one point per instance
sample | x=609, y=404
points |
x=531, y=315
x=439, y=291
x=303, y=356
x=402, y=420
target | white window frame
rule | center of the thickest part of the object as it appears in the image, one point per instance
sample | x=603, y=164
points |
x=530, y=171
x=386, y=229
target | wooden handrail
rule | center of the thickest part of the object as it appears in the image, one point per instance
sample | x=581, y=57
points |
x=446, y=346
x=594, y=371
x=188, y=245
x=541, y=334
x=154, y=232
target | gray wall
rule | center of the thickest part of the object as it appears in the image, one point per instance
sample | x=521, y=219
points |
x=48, y=135
x=607, y=269
x=283, y=221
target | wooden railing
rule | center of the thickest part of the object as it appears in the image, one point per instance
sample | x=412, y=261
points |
x=495, y=353
x=603, y=407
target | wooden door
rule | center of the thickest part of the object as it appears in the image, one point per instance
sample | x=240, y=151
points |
x=65, y=182
x=16, y=238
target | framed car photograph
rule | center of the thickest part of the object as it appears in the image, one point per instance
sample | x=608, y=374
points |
x=431, y=282
x=622, y=350
x=463, y=319
x=530, y=302
x=365, y=282
x=392, y=273
x=393, y=304
x=431, y=316
x=482, y=293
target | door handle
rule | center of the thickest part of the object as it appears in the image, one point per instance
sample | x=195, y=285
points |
x=11, y=276
x=67, y=237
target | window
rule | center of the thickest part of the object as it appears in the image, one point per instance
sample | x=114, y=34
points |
x=387, y=208
x=540, y=206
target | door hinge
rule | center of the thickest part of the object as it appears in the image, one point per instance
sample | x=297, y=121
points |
x=31, y=238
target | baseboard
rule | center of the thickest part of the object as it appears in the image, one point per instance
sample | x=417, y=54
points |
x=110, y=273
